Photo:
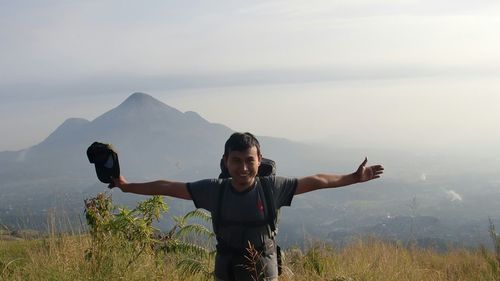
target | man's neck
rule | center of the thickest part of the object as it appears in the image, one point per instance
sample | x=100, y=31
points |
x=242, y=187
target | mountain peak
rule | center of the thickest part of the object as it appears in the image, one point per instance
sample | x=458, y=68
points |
x=141, y=102
x=139, y=98
x=139, y=108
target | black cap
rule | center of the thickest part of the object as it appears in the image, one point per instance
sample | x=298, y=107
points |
x=105, y=159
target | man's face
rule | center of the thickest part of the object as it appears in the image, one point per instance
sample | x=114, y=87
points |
x=243, y=166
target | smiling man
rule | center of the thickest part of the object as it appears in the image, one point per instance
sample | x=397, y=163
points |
x=239, y=205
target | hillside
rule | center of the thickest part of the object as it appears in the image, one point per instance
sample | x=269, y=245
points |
x=120, y=244
x=64, y=258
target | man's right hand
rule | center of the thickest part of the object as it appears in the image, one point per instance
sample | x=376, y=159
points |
x=119, y=182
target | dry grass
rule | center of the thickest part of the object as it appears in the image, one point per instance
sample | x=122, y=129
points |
x=63, y=258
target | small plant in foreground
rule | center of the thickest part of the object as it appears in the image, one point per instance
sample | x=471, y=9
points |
x=197, y=259
x=130, y=234
x=252, y=257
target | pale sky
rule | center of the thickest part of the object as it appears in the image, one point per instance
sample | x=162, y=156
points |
x=392, y=72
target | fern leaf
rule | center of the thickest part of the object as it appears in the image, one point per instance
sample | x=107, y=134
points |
x=197, y=229
x=198, y=213
x=192, y=267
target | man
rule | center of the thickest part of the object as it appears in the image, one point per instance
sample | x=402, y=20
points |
x=241, y=212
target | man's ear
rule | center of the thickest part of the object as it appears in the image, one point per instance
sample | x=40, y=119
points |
x=260, y=159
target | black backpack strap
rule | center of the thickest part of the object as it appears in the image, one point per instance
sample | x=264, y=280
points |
x=218, y=206
x=270, y=204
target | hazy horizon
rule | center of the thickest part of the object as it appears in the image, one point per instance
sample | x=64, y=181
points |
x=386, y=74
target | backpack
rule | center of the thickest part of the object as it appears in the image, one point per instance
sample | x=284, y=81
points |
x=105, y=159
x=267, y=168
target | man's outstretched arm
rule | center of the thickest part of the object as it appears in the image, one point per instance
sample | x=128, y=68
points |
x=160, y=187
x=321, y=181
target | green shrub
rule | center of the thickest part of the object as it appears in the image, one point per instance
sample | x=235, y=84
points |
x=120, y=236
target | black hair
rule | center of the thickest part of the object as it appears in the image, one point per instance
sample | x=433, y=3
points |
x=241, y=142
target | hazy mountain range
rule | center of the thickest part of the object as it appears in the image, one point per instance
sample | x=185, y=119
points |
x=155, y=141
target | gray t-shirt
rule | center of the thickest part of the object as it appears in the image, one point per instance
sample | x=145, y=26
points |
x=247, y=207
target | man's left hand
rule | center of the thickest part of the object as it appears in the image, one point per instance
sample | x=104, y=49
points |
x=365, y=173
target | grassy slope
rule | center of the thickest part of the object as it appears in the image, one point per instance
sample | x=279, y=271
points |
x=63, y=258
